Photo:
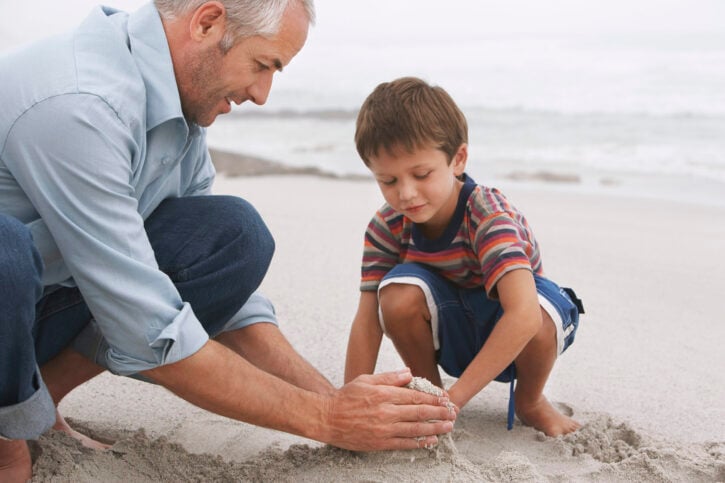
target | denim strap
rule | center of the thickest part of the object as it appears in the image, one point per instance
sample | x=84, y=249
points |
x=512, y=405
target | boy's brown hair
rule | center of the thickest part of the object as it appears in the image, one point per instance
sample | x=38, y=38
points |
x=408, y=113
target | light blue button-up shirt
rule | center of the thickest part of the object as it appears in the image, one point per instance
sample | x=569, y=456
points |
x=92, y=139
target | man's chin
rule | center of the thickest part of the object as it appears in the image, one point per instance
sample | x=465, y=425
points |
x=203, y=122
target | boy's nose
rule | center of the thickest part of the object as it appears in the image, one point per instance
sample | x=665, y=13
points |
x=406, y=191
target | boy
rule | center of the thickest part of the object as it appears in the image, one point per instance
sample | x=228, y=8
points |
x=451, y=271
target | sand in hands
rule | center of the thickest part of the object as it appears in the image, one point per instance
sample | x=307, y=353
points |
x=424, y=385
x=445, y=451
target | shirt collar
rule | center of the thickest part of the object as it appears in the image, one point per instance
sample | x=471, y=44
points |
x=443, y=241
x=150, y=50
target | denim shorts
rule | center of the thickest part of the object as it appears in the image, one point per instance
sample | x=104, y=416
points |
x=462, y=319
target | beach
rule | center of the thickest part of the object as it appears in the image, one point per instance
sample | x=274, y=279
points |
x=602, y=122
x=644, y=376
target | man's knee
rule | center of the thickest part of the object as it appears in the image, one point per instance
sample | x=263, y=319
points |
x=245, y=241
x=21, y=266
x=245, y=221
x=209, y=233
x=216, y=249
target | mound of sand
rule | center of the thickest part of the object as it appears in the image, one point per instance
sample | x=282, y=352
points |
x=603, y=450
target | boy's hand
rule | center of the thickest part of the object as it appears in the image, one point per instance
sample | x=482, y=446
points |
x=373, y=412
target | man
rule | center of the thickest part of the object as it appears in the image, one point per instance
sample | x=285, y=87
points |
x=111, y=245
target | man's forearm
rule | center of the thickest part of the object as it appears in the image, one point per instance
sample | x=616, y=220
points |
x=217, y=379
x=373, y=412
x=264, y=345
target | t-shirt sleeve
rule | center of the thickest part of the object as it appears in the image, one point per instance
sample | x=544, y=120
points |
x=501, y=246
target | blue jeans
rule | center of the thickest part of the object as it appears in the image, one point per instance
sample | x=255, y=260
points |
x=216, y=250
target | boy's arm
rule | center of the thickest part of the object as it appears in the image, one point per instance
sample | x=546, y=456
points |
x=365, y=338
x=520, y=322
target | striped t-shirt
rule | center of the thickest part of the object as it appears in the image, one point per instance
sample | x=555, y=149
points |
x=486, y=238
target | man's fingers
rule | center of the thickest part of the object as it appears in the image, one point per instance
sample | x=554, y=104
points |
x=403, y=395
x=396, y=378
x=418, y=435
x=422, y=429
x=423, y=413
x=425, y=406
x=404, y=436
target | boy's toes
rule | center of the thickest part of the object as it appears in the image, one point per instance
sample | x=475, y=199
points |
x=546, y=418
x=565, y=426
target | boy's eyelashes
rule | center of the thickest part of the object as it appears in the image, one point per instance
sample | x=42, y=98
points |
x=391, y=181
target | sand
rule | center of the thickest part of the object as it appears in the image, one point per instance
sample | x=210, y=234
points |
x=424, y=385
x=645, y=375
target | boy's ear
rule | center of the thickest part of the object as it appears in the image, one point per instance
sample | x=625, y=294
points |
x=208, y=22
x=459, y=160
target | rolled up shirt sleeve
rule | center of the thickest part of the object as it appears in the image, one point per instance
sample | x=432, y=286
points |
x=258, y=308
x=76, y=160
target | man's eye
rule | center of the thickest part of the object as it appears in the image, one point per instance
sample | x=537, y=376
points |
x=262, y=66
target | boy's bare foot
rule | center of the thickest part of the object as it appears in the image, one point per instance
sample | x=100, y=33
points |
x=546, y=418
x=15, y=465
x=62, y=425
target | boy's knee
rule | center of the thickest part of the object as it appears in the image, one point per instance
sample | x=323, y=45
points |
x=21, y=266
x=548, y=326
x=402, y=302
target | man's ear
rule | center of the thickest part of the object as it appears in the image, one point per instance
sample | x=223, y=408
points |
x=208, y=22
x=459, y=159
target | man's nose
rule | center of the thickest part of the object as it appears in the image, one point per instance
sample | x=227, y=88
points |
x=259, y=91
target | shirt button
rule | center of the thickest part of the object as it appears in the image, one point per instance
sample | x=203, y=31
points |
x=166, y=160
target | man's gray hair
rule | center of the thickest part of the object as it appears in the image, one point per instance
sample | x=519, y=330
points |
x=246, y=18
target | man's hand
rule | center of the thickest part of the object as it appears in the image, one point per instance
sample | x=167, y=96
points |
x=373, y=412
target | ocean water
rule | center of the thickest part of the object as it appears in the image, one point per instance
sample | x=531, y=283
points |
x=622, y=97
x=624, y=113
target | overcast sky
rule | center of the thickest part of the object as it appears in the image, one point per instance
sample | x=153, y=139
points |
x=23, y=21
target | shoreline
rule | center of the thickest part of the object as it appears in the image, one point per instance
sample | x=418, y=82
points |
x=667, y=188
x=237, y=164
